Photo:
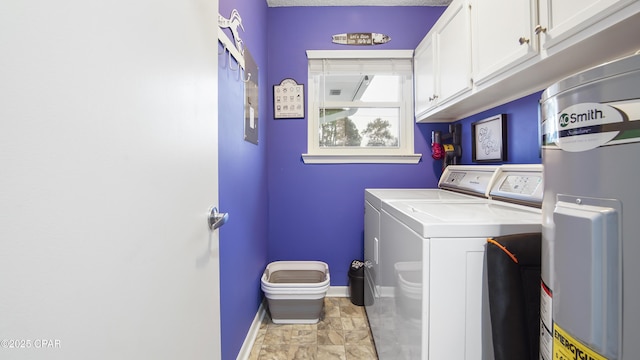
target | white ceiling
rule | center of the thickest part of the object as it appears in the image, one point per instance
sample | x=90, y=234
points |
x=277, y=3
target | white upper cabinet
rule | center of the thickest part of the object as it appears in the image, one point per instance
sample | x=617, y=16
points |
x=484, y=53
x=424, y=71
x=454, y=51
x=561, y=19
x=442, y=61
x=503, y=35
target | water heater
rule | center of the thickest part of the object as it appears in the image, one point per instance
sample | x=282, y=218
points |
x=590, y=291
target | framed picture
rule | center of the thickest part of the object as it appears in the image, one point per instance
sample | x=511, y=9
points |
x=251, y=91
x=288, y=100
x=489, y=142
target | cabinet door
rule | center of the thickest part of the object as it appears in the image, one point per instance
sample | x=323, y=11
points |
x=424, y=70
x=455, y=292
x=564, y=18
x=503, y=35
x=453, y=49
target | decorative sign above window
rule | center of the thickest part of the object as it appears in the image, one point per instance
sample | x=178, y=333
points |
x=360, y=39
x=288, y=100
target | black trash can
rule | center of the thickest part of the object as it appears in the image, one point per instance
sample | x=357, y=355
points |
x=356, y=282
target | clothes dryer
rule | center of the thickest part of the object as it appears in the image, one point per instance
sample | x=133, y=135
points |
x=458, y=183
x=435, y=253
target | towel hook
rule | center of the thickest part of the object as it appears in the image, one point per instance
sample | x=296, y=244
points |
x=229, y=60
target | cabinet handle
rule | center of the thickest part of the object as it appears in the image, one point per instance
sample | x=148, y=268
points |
x=539, y=29
x=523, y=40
x=431, y=98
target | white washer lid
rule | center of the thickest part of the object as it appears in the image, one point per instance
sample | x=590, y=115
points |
x=465, y=219
x=376, y=196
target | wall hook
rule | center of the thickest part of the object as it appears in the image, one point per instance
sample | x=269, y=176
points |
x=233, y=23
x=248, y=78
x=230, y=61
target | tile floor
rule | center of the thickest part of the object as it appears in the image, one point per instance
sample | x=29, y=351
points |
x=342, y=334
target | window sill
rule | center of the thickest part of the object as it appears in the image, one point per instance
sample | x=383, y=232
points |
x=361, y=159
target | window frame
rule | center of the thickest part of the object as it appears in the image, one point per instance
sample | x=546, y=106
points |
x=404, y=153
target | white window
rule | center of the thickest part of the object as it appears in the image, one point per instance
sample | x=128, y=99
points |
x=360, y=107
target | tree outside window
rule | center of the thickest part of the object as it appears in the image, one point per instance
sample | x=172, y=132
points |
x=360, y=107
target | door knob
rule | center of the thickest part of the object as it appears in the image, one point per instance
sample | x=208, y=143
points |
x=217, y=219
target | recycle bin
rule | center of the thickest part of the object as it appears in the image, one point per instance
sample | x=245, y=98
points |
x=356, y=282
x=295, y=290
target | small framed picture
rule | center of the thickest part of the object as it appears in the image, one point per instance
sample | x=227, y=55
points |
x=288, y=100
x=489, y=142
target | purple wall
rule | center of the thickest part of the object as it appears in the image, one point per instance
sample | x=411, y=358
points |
x=243, y=183
x=522, y=130
x=282, y=209
x=316, y=211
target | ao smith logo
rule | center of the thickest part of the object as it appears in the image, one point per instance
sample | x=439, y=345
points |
x=585, y=126
x=572, y=118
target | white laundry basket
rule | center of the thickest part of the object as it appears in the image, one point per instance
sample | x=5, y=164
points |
x=295, y=290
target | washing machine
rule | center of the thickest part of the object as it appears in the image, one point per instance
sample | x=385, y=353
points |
x=458, y=183
x=434, y=252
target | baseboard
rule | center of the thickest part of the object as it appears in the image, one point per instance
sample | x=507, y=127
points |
x=338, y=291
x=252, y=334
